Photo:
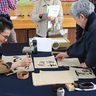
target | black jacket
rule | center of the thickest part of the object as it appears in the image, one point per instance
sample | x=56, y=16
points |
x=86, y=46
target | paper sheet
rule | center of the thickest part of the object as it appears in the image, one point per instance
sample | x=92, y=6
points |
x=17, y=58
x=74, y=76
x=63, y=31
x=69, y=62
x=13, y=17
x=49, y=78
x=45, y=62
x=83, y=73
x=43, y=44
x=52, y=10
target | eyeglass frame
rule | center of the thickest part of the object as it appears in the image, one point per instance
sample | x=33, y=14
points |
x=5, y=37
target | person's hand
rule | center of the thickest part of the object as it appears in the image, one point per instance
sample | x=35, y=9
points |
x=41, y=14
x=25, y=62
x=50, y=18
x=61, y=56
x=83, y=65
x=22, y=63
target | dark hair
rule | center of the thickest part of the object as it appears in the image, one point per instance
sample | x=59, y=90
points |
x=5, y=23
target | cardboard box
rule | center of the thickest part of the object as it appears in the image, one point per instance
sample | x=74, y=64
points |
x=63, y=44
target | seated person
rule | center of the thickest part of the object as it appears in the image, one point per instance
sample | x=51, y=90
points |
x=5, y=29
x=85, y=47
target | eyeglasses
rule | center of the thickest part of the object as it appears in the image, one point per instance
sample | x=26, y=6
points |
x=5, y=37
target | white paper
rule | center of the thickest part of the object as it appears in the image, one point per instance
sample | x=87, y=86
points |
x=13, y=17
x=49, y=24
x=63, y=31
x=52, y=10
x=50, y=78
x=56, y=76
x=43, y=44
x=17, y=58
x=68, y=62
x=83, y=73
x=45, y=62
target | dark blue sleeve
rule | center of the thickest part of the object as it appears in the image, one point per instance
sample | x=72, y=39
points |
x=85, y=47
x=78, y=49
x=9, y=64
x=91, y=56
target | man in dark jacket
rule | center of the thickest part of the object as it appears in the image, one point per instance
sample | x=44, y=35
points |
x=85, y=47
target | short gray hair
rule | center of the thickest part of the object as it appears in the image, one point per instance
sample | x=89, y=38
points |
x=81, y=7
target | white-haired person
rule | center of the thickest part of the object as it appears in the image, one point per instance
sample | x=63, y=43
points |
x=5, y=30
x=85, y=47
x=42, y=26
x=79, y=29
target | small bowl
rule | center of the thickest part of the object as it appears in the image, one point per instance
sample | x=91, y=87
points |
x=86, y=85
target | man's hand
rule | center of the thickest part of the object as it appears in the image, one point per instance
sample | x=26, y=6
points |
x=61, y=56
x=83, y=65
x=22, y=63
x=25, y=62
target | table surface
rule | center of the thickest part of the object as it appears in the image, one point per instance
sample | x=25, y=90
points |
x=11, y=86
x=26, y=22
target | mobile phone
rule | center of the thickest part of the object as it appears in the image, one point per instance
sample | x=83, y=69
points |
x=44, y=15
